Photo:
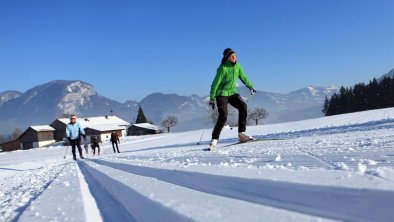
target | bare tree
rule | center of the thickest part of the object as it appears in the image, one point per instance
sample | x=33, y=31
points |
x=3, y=139
x=169, y=121
x=14, y=135
x=63, y=115
x=257, y=113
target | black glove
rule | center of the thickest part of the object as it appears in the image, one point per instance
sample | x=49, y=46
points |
x=69, y=139
x=212, y=104
x=252, y=91
x=84, y=136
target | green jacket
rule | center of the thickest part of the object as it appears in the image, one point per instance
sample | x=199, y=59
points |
x=225, y=80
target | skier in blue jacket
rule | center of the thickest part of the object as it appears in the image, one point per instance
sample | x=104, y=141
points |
x=73, y=134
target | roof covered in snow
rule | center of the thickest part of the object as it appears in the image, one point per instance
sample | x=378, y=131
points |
x=98, y=121
x=102, y=128
x=147, y=126
x=42, y=128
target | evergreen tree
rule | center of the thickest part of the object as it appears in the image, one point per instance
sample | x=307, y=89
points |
x=375, y=95
x=359, y=102
x=141, y=116
x=326, y=105
x=373, y=99
x=386, y=86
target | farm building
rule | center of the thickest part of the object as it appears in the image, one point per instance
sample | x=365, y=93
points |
x=10, y=146
x=104, y=131
x=143, y=129
x=100, y=126
x=33, y=137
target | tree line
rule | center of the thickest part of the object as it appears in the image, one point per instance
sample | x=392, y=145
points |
x=361, y=97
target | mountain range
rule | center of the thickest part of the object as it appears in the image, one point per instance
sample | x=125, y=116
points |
x=42, y=104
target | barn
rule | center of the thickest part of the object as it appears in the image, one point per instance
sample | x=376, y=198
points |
x=104, y=131
x=143, y=129
x=10, y=146
x=33, y=137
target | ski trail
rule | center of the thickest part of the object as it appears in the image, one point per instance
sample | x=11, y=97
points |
x=312, y=155
x=333, y=165
x=119, y=202
x=201, y=206
x=323, y=201
x=34, y=192
x=92, y=213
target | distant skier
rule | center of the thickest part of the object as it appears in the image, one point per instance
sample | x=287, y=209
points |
x=73, y=134
x=223, y=89
x=95, y=144
x=115, y=141
x=86, y=148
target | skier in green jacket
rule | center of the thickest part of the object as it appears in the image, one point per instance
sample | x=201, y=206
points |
x=223, y=89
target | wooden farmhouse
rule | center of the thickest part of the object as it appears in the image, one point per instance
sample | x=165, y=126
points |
x=143, y=129
x=33, y=137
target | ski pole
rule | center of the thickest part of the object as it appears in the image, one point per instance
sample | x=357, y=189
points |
x=206, y=124
x=250, y=97
x=66, y=152
x=202, y=134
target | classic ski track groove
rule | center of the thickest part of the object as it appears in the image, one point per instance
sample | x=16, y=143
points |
x=251, y=190
x=120, y=209
x=42, y=189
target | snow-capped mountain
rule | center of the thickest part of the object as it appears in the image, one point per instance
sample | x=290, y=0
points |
x=44, y=103
x=9, y=95
x=301, y=104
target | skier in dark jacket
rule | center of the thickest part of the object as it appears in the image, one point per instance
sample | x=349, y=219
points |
x=95, y=143
x=115, y=141
x=73, y=134
x=223, y=89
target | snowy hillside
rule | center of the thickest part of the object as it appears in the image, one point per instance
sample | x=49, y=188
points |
x=325, y=169
x=8, y=95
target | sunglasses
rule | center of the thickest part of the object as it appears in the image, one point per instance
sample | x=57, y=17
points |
x=72, y=118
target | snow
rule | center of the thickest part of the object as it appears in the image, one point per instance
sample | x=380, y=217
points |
x=98, y=120
x=42, y=128
x=313, y=91
x=147, y=126
x=338, y=168
x=106, y=127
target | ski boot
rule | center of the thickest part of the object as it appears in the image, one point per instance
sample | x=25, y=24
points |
x=212, y=144
x=243, y=137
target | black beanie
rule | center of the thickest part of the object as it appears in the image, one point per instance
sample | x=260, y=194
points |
x=227, y=52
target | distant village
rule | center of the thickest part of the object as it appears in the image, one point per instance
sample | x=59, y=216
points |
x=100, y=126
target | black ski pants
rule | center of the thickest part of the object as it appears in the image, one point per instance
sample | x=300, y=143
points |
x=94, y=149
x=76, y=143
x=113, y=146
x=237, y=102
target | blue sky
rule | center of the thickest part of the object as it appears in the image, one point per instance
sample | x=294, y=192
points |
x=128, y=49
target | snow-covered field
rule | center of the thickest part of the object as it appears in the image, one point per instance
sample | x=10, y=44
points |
x=338, y=168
